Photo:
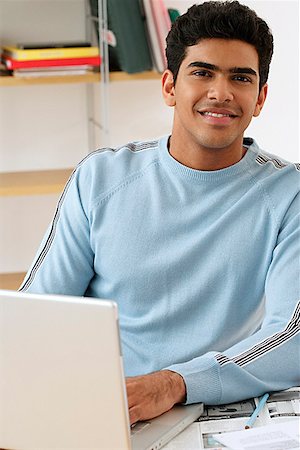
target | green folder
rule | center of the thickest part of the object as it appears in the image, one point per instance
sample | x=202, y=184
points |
x=126, y=20
x=173, y=13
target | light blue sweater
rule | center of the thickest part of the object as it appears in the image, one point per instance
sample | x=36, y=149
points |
x=204, y=265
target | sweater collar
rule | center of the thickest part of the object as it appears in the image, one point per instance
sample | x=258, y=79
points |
x=205, y=175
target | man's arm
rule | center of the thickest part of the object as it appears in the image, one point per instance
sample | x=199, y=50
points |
x=64, y=261
x=268, y=360
x=153, y=394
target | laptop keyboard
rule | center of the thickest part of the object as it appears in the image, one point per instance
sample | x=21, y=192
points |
x=139, y=426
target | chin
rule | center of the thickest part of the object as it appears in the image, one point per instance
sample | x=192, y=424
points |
x=216, y=144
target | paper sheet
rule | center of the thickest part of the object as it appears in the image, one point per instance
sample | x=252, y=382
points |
x=279, y=436
x=220, y=421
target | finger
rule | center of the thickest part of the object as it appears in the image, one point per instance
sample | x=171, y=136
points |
x=134, y=394
x=134, y=414
x=132, y=398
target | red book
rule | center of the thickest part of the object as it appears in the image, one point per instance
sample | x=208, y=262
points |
x=13, y=64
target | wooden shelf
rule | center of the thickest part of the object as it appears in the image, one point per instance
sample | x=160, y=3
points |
x=68, y=79
x=61, y=79
x=53, y=181
x=33, y=183
x=11, y=281
x=123, y=76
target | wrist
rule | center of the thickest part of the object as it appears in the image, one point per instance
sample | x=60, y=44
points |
x=177, y=386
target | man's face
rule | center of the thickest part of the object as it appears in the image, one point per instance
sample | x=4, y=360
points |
x=216, y=94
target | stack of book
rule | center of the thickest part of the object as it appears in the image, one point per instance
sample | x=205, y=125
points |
x=61, y=58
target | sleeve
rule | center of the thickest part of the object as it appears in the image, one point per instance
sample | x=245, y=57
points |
x=268, y=360
x=64, y=261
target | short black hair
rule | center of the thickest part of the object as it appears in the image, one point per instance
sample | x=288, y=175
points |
x=223, y=20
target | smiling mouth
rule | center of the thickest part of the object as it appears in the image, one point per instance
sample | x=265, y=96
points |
x=218, y=115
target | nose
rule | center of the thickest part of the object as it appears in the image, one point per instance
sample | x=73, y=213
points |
x=220, y=90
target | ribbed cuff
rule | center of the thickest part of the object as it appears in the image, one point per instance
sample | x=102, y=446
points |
x=202, y=380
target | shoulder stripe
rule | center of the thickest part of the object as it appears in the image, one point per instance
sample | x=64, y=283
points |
x=267, y=345
x=222, y=359
x=261, y=159
x=264, y=159
x=139, y=146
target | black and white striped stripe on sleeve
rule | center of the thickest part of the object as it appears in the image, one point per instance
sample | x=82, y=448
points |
x=267, y=345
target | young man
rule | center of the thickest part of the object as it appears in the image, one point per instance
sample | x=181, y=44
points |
x=195, y=235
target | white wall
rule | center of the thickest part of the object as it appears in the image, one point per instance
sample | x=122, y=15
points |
x=45, y=126
x=41, y=126
x=22, y=226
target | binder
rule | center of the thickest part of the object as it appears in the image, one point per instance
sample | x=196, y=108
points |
x=173, y=13
x=126, y=20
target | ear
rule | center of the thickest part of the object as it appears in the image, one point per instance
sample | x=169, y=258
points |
x=261, y=100
x=168, y=88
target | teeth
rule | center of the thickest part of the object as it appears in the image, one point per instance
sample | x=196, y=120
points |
x=215, y=114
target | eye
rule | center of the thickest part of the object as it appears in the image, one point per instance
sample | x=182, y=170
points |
x=242, y=78
x=201, y=73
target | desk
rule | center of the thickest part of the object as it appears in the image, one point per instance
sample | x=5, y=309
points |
x=280, y=407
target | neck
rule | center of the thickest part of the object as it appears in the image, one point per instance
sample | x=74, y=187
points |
x=206, y=159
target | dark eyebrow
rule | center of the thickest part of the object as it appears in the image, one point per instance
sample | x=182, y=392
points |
x=243, y=70
x=205, y=65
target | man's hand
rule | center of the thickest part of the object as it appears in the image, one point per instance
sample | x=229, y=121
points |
x=151, y=395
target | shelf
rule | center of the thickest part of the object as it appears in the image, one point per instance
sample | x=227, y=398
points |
x=123, y=76
x=11, y=281
x=33, y=183
x=69, y=79
x=53, y=181
x=58, y=79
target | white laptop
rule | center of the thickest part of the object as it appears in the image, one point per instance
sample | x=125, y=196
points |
x=61, y=379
